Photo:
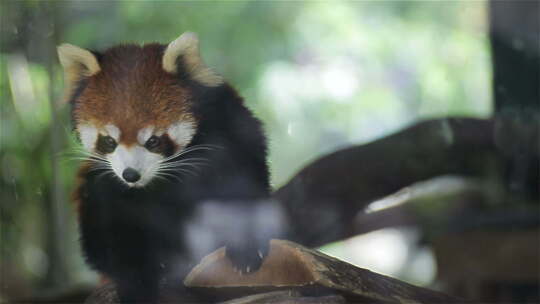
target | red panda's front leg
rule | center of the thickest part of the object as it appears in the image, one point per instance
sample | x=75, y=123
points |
x=243, y=227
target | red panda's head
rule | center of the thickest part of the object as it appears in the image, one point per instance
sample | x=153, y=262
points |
x=129, y=107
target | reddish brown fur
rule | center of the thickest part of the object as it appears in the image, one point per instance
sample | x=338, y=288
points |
x=133, y=91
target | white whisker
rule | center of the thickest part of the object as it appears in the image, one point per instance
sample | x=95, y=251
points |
x=100, y=167
x=194, y=174
x=81, y=154
x=183, y=164
x=164, y=175
x=191, y=149
x=105, y=173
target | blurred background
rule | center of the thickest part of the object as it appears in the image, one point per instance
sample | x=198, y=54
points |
x=321, y=76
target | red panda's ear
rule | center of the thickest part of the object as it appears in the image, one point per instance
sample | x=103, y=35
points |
x=186, y=48
x=77, y=63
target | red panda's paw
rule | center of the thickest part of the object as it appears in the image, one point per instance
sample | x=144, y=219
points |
x=244, y=227
x=248, y=259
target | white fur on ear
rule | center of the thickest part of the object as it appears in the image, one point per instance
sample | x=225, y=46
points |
x=187, y=46
x=77, y=63
x=75, y=57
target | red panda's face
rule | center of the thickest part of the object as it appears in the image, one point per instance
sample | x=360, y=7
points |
x=130, y=110
x=135, y=162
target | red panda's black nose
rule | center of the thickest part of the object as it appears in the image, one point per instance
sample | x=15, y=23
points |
x=131, y=175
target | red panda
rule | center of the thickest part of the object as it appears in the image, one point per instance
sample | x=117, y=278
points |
x=163, y=134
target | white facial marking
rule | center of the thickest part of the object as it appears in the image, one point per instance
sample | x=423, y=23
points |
x=143, y=161
x=88, y=135
x=144, y=134
x=113, y=131
x=181, y=132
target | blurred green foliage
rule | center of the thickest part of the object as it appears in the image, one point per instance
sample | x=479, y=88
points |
x=321, y=75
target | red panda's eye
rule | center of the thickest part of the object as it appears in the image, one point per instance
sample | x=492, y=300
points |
x=152, y=143
x=106, y=144
x=110, y=141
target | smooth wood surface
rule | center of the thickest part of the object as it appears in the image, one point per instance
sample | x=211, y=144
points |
x=290, y=265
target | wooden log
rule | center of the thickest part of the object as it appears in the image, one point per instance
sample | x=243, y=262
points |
x=323, y=199
x=286, y=297
x=106, y=294
x=290, y=274
x=310, y=272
